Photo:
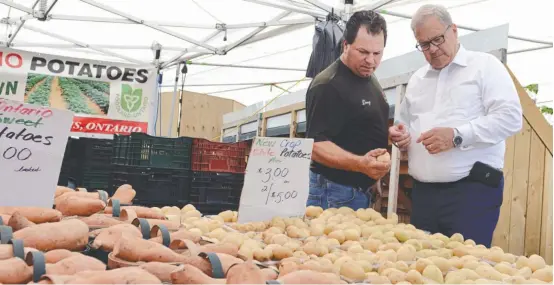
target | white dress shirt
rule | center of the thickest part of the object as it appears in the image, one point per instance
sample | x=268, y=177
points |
x=474, y=94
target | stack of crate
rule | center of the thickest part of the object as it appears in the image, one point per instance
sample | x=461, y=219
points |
x=158, y=168
x=218, y=175
x=87, y=163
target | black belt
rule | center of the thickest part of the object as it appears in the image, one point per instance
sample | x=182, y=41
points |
x=465, y=179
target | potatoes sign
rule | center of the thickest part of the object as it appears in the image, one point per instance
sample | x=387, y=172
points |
x=106, y=98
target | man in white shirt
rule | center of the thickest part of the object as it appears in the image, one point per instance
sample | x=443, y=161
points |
x=454, y=120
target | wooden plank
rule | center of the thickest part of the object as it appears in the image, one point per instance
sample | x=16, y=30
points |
x=502, y=231
x=395, y=159
x=284, y=110
x=546, y=226
x=292, y=132
x=532, y=113
x=519, y=192
x=263, y=127
x=534, y=196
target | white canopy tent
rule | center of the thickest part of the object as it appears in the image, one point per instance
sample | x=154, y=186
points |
x=251, y=50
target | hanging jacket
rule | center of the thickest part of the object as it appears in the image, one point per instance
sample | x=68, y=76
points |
x=327, y=45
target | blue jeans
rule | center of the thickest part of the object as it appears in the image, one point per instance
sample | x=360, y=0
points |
x=328, y=194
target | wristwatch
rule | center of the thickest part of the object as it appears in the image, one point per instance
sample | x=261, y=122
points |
x=457, y=140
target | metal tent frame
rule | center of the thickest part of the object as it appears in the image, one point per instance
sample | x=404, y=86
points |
x=309, y=10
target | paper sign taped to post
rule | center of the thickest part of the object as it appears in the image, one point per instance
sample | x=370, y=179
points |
x=277, y=179
x=32, y=144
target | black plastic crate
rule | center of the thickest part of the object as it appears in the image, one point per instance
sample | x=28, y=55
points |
x=139, y=149
x=95, y=176
x=216, y=188
x=153, y=185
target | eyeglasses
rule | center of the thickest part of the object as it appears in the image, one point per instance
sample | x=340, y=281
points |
x=437, y=41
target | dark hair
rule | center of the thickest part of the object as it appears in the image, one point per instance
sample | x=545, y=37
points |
x=371, y=20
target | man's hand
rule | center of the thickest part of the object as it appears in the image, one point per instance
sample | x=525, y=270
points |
x=373, y=168
x=437, y=140
x=400, y=135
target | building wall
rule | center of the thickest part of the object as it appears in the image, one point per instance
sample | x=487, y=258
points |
x=201, y=115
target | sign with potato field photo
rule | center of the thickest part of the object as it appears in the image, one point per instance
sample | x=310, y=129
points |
x=106, y=98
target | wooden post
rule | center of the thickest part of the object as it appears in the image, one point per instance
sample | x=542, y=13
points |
x=395, y=160
x=293, y=116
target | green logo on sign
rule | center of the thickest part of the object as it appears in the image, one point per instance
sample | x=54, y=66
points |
x=131, y=102
x=130, y=99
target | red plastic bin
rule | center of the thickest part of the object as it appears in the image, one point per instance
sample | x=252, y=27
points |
x=219, y=157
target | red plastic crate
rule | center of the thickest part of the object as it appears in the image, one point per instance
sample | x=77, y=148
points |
x=219, y=157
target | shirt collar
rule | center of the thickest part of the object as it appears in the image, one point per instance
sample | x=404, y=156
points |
x=460, y=59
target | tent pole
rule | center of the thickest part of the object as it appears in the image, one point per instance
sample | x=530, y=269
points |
x=17, y=6
x=387, y=12
x=246, y=66
x=107, y=52
x=177, y=58
x=149, y=24
x=174, y=99
x=18, y=28
x=288, y=8
x=254, y=32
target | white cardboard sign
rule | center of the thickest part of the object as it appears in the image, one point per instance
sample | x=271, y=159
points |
x=32, y=144
x=276, y=182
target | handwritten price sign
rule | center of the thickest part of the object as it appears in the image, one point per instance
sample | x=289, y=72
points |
x=32, y=143
x=277, y=179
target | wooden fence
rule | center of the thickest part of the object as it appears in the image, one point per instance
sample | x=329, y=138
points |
x=525, y=224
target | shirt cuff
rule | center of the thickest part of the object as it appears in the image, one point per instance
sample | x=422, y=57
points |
x=468, y=137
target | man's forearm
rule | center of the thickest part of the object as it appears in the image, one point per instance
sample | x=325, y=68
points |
x=331, y=155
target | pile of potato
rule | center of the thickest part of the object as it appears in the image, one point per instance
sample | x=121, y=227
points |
x=364, y=246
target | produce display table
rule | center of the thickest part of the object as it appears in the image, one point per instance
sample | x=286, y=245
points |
x=95, y=239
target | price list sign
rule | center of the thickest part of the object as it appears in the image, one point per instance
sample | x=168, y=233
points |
x=277, y=179
x=32, y=144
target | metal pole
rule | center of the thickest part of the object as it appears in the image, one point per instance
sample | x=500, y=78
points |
x=187, y=50
x=254, y=32
x=528, y=49
x=148, y=24
x=18, y=28
x=246, y=66
x=288, y=8
x=239, y=84
x=17, y=6
x=469, y=28
x=83, y=44
x=174, y=99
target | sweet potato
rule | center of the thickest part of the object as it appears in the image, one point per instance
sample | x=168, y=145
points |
x=91, y=195
x=195, y=249
x=245, y=273
x=188, y=274
x=6, y=251
x=18, y=222
x=161, y=270
x=71, y=234
x=79, y=206
x=136, y=249
x=180, y=234
x=107, y=238
x=61, y=190
x=127, y=275
x=101, y=220
x=125, y=194
x=57, y=255
x=36, y=215
x=5, y=218
x=142, y=212
x=205, y=266
x=55, y=279
x=75, y=263
x=310, y=277
x=15, y=271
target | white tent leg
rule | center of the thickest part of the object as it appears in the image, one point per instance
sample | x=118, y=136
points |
x=173, y=102
x=149, y=24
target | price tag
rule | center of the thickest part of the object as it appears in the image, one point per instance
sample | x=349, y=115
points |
x=32, y=144
x=277, y=179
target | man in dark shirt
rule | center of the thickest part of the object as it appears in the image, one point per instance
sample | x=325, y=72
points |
x=347, y=116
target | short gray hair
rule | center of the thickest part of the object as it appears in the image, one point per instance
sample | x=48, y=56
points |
x=427, y=10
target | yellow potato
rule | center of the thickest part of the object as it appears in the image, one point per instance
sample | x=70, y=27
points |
x=313, y=211
x=536, y=262
x=434, y=273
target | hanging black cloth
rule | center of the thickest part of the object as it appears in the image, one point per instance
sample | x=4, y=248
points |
x=327, y=44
